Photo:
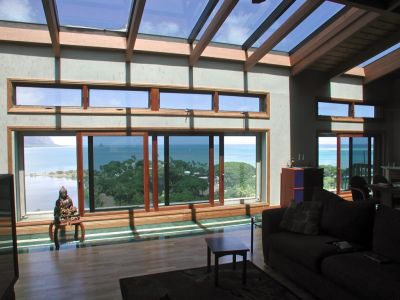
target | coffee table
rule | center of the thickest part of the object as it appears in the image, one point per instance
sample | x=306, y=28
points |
x=222, y=246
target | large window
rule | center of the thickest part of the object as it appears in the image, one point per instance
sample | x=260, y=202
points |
x=240, y=167
x=344, y=156
x=50, y=163
x=188, y=168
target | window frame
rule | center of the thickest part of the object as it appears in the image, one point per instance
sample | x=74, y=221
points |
x=351, y=113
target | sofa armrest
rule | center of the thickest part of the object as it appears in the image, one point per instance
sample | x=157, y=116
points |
x=271, y=218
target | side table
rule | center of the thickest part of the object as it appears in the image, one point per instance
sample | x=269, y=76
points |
x=54, y=236
x=222, y=246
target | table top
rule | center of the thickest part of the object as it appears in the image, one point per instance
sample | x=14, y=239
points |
x=225, y=244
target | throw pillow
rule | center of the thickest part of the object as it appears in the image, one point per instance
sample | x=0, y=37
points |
x=302, y=218
x=386, y=240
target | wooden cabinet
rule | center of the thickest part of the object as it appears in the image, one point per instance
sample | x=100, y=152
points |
x=298, y=184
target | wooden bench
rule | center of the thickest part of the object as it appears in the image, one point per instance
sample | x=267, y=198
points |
x=57, y=226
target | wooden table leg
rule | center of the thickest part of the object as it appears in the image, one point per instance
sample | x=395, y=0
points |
x=76, y=231
x=216, y=270
x=208, y=259
x=244, y=267
x=56, y=237
x=82, y=231
x=234, y=261
x=51, y=231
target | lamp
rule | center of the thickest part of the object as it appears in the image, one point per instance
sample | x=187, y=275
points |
x=257, y=1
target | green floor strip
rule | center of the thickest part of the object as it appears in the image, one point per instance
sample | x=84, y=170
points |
x=103, y=236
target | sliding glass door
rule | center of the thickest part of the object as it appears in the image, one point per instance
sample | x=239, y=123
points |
x=346, y=155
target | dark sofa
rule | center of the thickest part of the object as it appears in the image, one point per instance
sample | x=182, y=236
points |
x=317, y=265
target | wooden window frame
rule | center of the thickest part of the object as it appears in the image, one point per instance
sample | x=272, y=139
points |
x=351, y=117
x=154, y=100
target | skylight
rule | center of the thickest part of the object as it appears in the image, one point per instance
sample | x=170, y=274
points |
x=97, y=14
x=244, y=20
x=380, y=55
x=27, y=11
x=283, y=18
x=310, y=24
x=174, y=18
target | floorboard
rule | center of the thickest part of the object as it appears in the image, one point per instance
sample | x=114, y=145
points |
x=93, y=272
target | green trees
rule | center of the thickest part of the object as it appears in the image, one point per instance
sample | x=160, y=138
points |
x=120, y=183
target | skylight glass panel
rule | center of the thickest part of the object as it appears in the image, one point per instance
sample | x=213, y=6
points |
x=174, y=18
x=97, y=14
x=27, y=11
x=310, y=24
x=244, y=20
x=380, y=55
x=282, y=19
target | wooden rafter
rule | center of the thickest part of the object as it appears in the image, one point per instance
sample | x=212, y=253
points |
x=50, y=11
x=202, y=20
x=307, y=8
x=267, y=23
x=133, y=27
x=212, y=29
x=383, y=66
x=344, y=27
x=384, y=7
x=371, y=51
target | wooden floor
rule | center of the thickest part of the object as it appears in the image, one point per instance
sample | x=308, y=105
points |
x=93, y=272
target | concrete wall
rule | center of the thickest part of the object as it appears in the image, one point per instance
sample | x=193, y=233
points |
x=36, y=62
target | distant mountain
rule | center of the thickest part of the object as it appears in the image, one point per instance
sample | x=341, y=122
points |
x=39, y=141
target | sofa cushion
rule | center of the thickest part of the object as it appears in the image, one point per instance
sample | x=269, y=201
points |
x=386, y=239
x=362, y=276
x=308, y=250
x=347, y=220
x=302, y=217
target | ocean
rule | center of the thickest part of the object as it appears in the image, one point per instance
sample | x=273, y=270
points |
x=42, y=190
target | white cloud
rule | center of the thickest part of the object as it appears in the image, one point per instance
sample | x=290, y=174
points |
x=16, y=10
x=161, y=28
x=64, y=140
x=240, y=140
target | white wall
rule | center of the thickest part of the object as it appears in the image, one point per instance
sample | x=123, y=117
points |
x=36, y=62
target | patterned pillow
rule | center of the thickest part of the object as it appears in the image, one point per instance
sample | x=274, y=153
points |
x=302, y=217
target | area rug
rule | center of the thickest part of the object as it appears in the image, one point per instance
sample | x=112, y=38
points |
x=196, y=284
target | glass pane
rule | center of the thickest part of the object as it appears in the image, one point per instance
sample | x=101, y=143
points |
x=244, y=20
x=175, y=18
x=27, y=11
x=216, y=167
x=161, y=170
x=188, y=168
x=239, y=103
x=286, y=15
x=42, y=96
x=50, y=163
x=344, y=163
x=118, y=171
x=327, y=159
x=240, y=167
x=315, y=20
x=380, y=55
x=99, y=14
x=360, y=166
x=364, y=111
x=85, y=150
x=118, y=98
x=185, y=101
x=333, y=109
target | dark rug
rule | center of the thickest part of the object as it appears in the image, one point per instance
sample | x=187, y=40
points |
x=196, y=284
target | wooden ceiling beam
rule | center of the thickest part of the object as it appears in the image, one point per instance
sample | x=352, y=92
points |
x=382, y=67
x=383, y=7
x=339, y=31
x=371, y=51
x=133, y=27
x=212, y=29
x=306, y=9
x=50, y=12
